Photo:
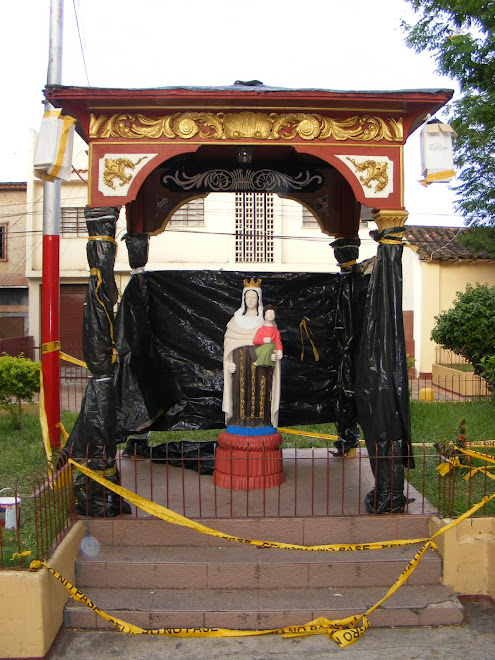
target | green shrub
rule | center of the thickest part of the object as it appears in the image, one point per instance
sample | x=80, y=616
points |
x=468, y=328
x=19, y=380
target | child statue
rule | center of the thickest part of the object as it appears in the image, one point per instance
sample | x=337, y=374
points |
x=267, y=340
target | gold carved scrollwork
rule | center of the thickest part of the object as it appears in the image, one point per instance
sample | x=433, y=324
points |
x=246, y=125
x=375, y=171
x=252, y=125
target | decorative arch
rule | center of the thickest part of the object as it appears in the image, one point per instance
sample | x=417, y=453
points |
x=307, y=179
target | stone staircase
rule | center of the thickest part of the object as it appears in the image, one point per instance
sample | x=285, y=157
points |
x=154, y=574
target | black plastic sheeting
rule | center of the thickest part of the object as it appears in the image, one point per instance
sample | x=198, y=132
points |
x=346, y=251
x=381, y=381
x=93, y=435
x=137, y=249
x=198, y=456
x=169, y=335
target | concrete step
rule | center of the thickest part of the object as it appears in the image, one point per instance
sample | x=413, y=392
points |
x=155, y=574
x=261, y=609
x=247, y=567
x=303, y=531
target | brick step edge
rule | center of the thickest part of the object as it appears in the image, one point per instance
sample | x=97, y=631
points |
x=254, y=575
x=405, y=608
x=302, y=531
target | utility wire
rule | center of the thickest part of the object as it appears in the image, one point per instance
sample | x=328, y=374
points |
x=81, y=39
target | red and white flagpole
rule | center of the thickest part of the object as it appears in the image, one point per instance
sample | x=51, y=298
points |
x=50, y=284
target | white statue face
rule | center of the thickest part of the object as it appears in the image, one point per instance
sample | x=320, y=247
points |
x=270, y=315
x=251, y=299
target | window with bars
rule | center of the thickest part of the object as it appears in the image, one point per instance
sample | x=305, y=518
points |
x=3, y=242
x=308, y=219
x=72, y=221
x=254, y=227
x=191, y=214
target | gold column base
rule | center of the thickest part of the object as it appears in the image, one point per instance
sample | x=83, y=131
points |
x=389, y=218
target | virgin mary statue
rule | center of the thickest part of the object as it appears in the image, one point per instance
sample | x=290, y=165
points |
x=251, y=394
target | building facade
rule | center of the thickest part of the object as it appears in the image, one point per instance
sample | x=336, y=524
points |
x=14, y=215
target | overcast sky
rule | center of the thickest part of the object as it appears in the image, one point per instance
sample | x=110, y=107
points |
x=327, y=44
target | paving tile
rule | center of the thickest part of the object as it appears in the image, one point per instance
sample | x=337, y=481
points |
x=444, y=614
x=255, y=620
x=327, y=531
x=91, y=574
x=311, y=599
x=79, y=617
x=182, y=619
x=385, y=618
x=220, y=600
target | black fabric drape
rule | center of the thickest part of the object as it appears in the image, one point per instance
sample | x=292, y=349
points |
x=381, y=381
x=169, y=332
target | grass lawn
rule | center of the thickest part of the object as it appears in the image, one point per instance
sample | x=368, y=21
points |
x=22, y=454
x=23, y=463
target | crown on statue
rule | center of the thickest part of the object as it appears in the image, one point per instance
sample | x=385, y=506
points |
x=252, y=284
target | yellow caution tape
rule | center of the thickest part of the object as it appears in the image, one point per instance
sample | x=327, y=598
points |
x=477, y=454
x=446, y=175
x=470, y=512
x=43, y=420
x=73, y=360
x=66, y=478
x=343, y=631
x=163, y=513
x=64, y=433
x=50, y=347
x=454, y=462
x=484, y=470
x=307, y=434
x=105, y=239
x=326, y=436
x=26, y=553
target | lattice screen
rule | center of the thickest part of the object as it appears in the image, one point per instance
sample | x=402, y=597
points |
x=254, y=227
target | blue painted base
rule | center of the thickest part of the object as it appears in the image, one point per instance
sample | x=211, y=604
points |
x=247, y=430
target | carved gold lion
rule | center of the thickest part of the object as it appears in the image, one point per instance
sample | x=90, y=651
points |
x=375, y=170
x=115, y=169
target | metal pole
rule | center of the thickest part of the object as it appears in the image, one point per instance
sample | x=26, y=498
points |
x=50, y=287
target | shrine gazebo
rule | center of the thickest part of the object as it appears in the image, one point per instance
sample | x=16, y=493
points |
x=153, y=150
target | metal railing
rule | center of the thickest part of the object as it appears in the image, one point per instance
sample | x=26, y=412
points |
x=41, y=514
x=449, y=387
x=316, y=483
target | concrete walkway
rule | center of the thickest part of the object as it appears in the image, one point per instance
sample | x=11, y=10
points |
x=474, y=638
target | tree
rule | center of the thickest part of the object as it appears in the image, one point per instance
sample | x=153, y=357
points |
x=19, y=380
x=460, y=34
x=468, y=328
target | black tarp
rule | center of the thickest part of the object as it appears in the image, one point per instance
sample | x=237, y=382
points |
x=381, y=380
x=346, y=251
x=169, y=335
x=93, y=436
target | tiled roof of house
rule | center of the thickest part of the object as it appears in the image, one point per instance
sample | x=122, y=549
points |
x=440, y=243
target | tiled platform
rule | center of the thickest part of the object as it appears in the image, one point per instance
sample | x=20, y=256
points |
x=316, y=484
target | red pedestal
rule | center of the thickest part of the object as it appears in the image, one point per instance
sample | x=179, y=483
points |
x=247, y=462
